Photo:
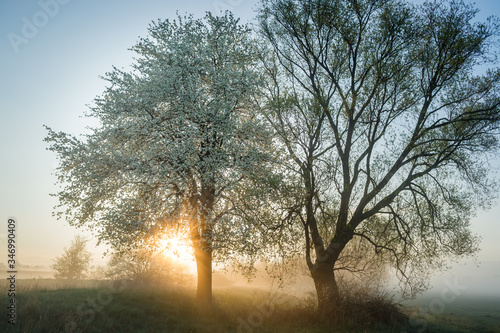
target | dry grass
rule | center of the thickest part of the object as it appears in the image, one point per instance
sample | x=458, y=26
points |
x=25, y=285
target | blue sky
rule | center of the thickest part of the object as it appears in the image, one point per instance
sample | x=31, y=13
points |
x=49, y=80
x=50, y=77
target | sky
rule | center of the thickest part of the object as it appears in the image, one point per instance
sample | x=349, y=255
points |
x=52, y=54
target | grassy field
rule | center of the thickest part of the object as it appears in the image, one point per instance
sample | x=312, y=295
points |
x=92, y=306
x=466, y=314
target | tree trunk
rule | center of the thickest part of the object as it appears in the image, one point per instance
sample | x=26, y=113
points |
x=202, y=241
x=326, y=289
x=201, y=237
x=203, y=256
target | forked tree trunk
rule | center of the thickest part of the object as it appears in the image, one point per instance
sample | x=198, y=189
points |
x=327, y=290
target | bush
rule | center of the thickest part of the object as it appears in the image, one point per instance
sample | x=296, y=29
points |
x=364, y=302
x=144, y=268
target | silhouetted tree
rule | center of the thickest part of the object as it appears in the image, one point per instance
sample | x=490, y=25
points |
x=387, y=128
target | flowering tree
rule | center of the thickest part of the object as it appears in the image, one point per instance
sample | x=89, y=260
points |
x=387, y=127
x=176, y=136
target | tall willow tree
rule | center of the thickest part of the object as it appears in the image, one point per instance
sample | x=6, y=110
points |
x=380, y=109
x=177, y=134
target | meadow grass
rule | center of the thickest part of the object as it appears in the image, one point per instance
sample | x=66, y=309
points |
x=97, y=306
x=467, y=314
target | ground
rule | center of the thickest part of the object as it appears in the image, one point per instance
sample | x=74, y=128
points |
x=48, y=305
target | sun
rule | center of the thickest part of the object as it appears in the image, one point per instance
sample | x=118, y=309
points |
x=178, y=250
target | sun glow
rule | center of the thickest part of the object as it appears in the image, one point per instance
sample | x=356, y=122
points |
x=178, y=250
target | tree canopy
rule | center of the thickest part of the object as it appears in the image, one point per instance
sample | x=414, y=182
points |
x=387, y=124
x=176, y=135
